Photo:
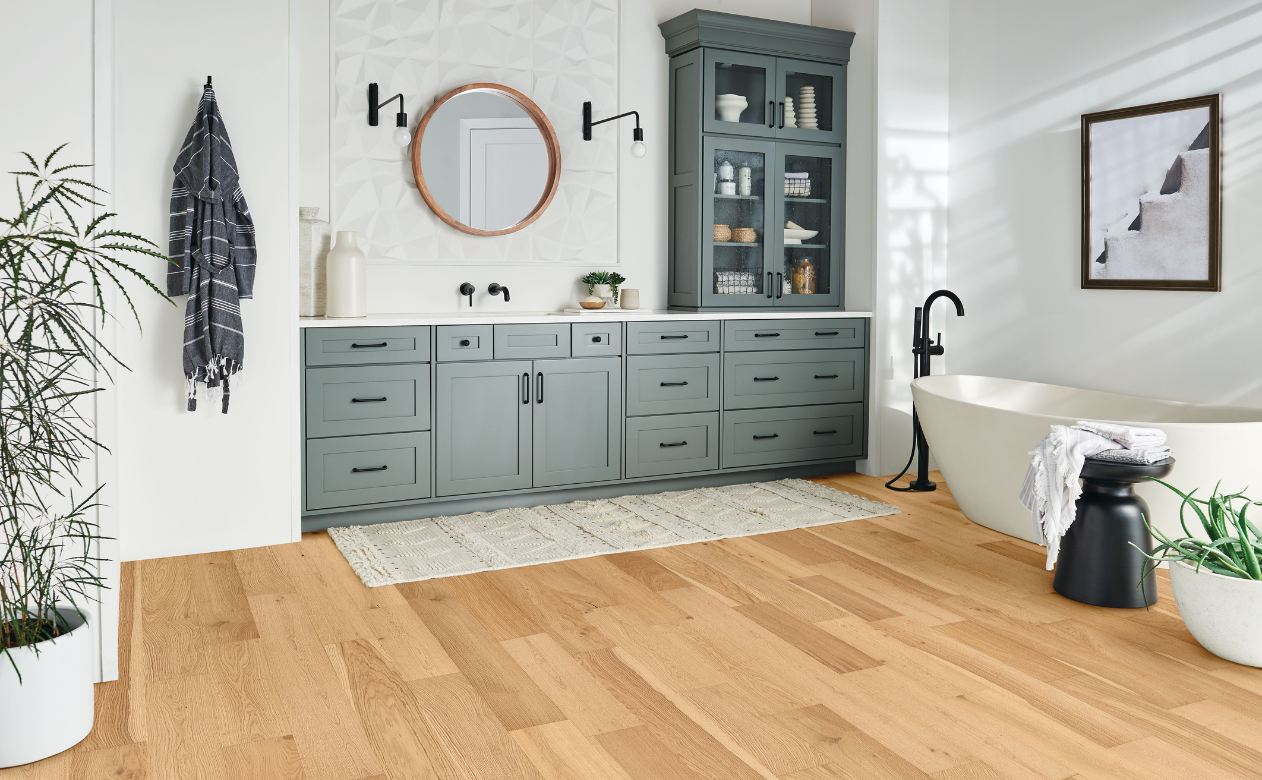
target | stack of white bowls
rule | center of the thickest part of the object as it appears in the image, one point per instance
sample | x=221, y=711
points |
x=806, y=109
x=790, y=117
x=730, y=107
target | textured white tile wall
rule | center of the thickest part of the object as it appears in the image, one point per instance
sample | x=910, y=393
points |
x=558, y=52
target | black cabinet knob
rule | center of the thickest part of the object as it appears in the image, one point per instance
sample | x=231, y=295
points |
x=464, y=342
x=595, y=339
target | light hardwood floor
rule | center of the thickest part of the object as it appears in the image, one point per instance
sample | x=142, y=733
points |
x=902, y=647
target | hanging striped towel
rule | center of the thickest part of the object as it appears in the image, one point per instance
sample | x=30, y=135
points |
x=212, y=253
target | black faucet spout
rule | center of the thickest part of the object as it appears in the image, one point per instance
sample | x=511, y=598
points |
x=496, y=288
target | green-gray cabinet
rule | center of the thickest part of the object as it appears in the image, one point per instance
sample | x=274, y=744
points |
x=672, y=384
x=577, y=421
x=357, y=470
x=672, y=444
x=788, y=143
x=793, y=378
x=756, y=437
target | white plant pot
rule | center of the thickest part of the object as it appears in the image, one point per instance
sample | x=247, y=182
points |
x=51, y=709
x=1223, y=613
x=347, y=268
x=730, y=107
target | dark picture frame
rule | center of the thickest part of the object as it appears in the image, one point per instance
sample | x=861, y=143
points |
x=1118, y=236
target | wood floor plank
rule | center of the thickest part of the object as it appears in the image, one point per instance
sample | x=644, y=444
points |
x=118, y=720
x=696, y=573
x=247, y=703
x=649, y=572
x=853, y=754
x=802, y=603
x=622, y=589
x=654, y=646
x=775, y=746
x=559, y=751
x=270, y=759
x=412, y=649
x=924, y=670
x=182, y=733
x=586, y=703
x=498, y=614
x=644, y=757
x=1160, y=759
x=558, y=610
x=118, y=762
x=847, y=599
x=509, y=691
x=261, y=572
x=322, y=590
x=173, y=648
x=815, y=642
x=222, y=609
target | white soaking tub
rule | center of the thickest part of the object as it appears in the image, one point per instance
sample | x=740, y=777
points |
x=981, y=430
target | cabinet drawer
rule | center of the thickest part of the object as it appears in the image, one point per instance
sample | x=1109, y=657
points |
x=532, y=341
x=657, y=338
x=746, y=335
x=358, y=346
x=367, y=399
x=670, y=384
x=596, y=339
x=358, y=470
x=465, y=342
x=759, y=437
x=674, y=444
x=762, y=379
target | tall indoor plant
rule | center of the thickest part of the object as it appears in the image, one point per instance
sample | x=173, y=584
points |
x=60, y=268
x=1217, y=579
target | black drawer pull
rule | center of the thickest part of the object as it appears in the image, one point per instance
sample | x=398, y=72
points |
x=368, y=400
x=672, y=444
x=824, y=433
x=766, y=379
x=765, y=335
x=369, y=346
x=825, y=376
x=825, y=333
x=525, y=387
x=374, y=468
x=464, y=342
x=681, y=336
x=539, y=388
x=673, y=384
x=595, y=339
x=772, y=436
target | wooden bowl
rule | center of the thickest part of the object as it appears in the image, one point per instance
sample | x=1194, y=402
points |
x=745, y=235
x=592, y=302
x=722, y=233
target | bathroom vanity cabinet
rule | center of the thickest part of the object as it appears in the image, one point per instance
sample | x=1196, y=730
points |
x=738, y=175
x=404, y=421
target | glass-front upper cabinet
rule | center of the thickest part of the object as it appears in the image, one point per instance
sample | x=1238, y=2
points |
x=739, y=95
x=773, y=97
x=810, y=101
x=734, y=247
x=809, y=234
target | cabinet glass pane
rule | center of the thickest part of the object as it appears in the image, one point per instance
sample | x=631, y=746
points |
x=808, y=104
x=808, y=232
x=739, y=222
x=740, y=93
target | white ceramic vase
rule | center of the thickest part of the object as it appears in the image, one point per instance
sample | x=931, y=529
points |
x=347, y=278
x=313, y=250
x=1223, y=613
x=629, y=298
x=730, y=107
x=51, y=709
x=604, y=292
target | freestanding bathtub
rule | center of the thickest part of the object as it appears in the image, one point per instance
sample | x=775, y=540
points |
x=981, y=430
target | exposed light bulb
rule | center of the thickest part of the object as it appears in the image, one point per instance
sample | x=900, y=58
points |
x=401, y=136
x=638, y=149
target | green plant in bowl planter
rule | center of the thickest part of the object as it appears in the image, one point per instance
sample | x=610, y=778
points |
x=1217, y=578
x=611, y=278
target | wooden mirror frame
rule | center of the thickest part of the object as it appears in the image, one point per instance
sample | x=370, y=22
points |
x=549, y=139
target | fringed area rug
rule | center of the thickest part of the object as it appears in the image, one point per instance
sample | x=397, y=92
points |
x=414, y=550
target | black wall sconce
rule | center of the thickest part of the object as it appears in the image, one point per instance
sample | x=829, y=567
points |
x=401, y=135
x=637, y=135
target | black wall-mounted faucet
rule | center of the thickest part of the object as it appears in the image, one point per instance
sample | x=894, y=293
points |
x=496, y=288
x=468, y=289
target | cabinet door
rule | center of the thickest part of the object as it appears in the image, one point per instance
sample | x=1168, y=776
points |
x=732, y=79
x=810, y=101
x=484, y=426
x=735, y=262
x=578, y=420
x=810, y=192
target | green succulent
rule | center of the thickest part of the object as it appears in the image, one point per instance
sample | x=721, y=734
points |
x=611, y=278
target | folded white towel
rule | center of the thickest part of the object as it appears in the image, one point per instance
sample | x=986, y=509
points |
x=797, y=176
x=1051, y=487
x=1124, y=435
x=1140, y=455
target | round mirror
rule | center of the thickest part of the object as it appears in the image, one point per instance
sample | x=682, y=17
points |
x=486, y=159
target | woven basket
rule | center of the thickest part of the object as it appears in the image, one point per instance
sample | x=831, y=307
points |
x=722, y=233
x=745, y=235
x=735, y=283
x=797, y=188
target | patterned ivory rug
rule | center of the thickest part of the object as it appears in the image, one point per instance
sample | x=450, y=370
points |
x=414, y=550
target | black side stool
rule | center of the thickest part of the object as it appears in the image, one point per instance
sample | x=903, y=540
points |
x=1097, y=565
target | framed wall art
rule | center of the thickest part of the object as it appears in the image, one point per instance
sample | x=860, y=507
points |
x=1151, y=202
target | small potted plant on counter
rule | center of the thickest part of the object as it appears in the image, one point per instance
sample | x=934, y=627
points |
x=1217, y=580
x=59, y=268
x=603, y=284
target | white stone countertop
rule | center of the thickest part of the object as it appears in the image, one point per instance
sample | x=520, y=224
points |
x=616, y=315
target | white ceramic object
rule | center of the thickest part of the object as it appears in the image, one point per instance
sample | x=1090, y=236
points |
x=605, y=293
x=629, y=298
x=1223, y=613
x=730, y=107
x=592, y=302
x=727, y=188
x=981, y=430
x=800, y=235
x=313, y=250
x=744, y=180
x=51, y=709
x=347, y=278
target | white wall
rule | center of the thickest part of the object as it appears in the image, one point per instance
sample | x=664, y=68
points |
x=1021, y=76
x=642, y=187
x=203, y=481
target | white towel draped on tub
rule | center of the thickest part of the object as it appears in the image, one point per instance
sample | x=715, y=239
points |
x=1051, y=487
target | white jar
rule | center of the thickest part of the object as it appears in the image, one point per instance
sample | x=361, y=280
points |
x=744, y=181
x=604, y=292
x=629, y=298
x=347, y=278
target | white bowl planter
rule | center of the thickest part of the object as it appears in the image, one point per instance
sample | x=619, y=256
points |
x=51, y=709
x=1223, y=613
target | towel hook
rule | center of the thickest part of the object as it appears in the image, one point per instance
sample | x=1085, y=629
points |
x=208, y=81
